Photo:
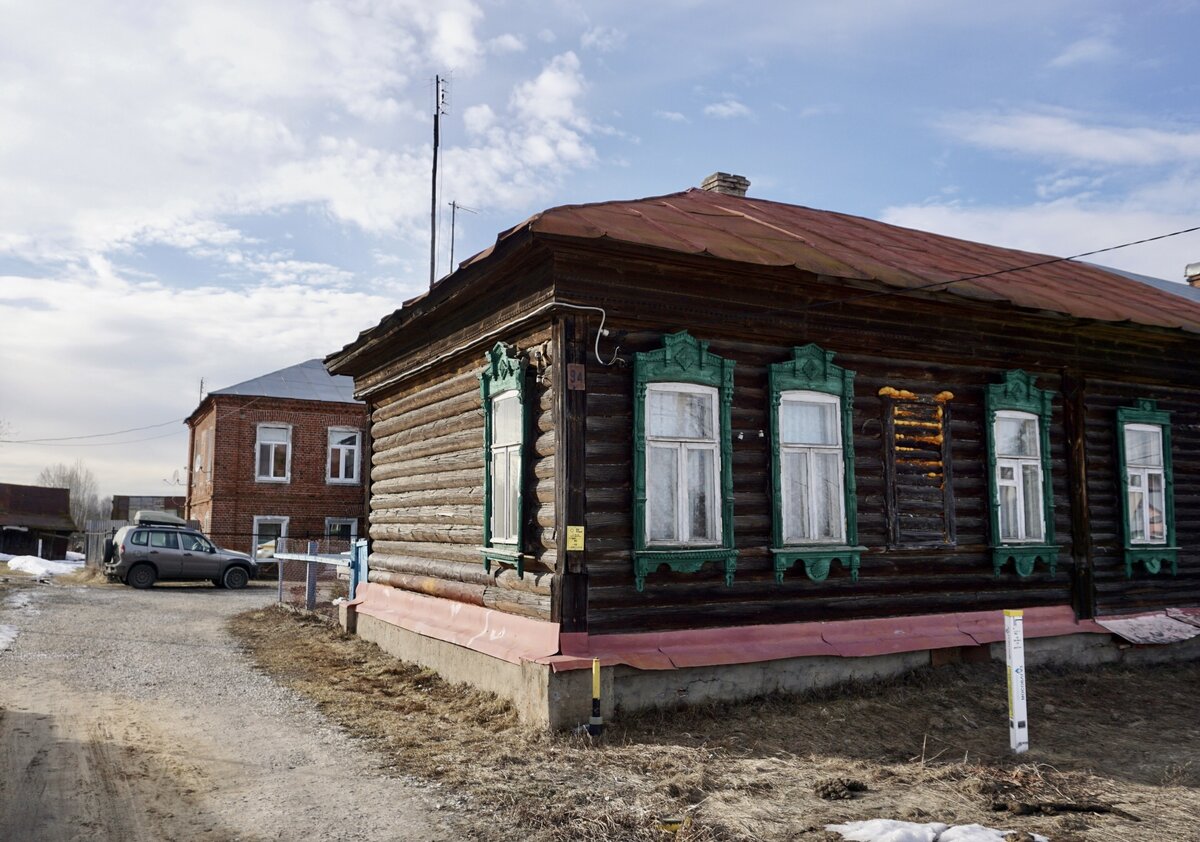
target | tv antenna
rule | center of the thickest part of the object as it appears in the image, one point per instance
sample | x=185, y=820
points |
x=439, y=108
x=455, y=207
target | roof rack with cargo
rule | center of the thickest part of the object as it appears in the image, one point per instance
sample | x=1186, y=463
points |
x=147, y=517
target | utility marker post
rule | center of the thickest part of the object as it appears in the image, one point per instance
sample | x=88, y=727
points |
x=1014, y=656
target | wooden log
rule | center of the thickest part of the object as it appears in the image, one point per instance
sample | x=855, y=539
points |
x=537, y=578
x=449, y=552
x=536, y=606
x=471, y=594
x=397, y=467
x=445, y=428
x=427, y=533
x=451, y=407
x=463, y=479
x=461, y=383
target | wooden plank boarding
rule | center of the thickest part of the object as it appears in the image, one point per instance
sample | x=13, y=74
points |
x=570, y=596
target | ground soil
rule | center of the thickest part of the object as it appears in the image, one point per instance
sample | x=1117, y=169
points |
x=1115, y=751
x=134, y=716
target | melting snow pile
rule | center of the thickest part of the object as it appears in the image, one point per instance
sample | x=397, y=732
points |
x=889, y=830
x=35, y=566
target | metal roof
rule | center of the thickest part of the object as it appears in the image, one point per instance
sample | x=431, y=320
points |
x=307, y=381
x=1173, y=287
x=755, y=231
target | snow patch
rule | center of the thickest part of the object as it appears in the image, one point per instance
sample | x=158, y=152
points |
x=18, y=600
x=890, y=830
x=7, y=635
x=35, y=566
x=74, y=556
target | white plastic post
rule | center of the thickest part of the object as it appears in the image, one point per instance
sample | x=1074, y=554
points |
x=1014, y=656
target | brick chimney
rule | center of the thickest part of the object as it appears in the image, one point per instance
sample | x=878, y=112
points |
x=1192, y=273
x=723, y=182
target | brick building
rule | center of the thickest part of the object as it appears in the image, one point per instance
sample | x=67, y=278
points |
x=279, y=456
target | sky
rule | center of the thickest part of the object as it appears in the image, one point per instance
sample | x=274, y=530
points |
x=193, y=194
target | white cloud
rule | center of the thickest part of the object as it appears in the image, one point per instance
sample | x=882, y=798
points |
x=142, y=363
x=671, y=116
x=603, y=39
x=1097, y=48
x=727, y=109
x=1063, y=136
x=507, y=43
x=1065, y=227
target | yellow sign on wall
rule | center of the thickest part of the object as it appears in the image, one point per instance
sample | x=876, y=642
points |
x=574, y=538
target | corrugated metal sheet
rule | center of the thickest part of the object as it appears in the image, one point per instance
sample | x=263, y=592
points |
x=306, y=381
x=766, y=233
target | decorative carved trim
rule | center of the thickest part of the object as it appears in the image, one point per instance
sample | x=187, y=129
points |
x=1153, y=557
x=504, y=371
x=682, y=359
x=817, y=561
x=1017, y=392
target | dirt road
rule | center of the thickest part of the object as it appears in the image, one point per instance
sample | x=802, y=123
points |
x=132, y=715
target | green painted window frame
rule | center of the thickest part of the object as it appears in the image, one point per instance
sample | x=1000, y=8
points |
x=682, y=359
x=1018, y=393
x=1154, y=557
x=811, y=369
x=503, y=373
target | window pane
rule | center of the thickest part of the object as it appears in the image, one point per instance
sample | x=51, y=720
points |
x=1032, y=477
x=701, y=495
x=512, y=489
x=808, y=423
x=1008, y=513
x=828, y=491
x=348, y=466
x=333, y=464
x=499, y=498
x=272, y=434
x=662, y=492
x=679, y=414
x=1016, y=436
x=1157, y=500
x=1143, y=447
x=280, y=461
x=1137, y=515
x=796, y=496
x=264, y=460
x=347, y=439
x=506, y=419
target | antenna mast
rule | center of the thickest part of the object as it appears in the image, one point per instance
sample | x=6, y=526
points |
x=439, y=103
x=455, y=207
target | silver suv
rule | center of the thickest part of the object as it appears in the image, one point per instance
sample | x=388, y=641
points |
x=162, y=546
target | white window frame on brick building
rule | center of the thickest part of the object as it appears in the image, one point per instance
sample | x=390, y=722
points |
x=341, y=449
x=259, y=520
x=269, y=446
x=331, y=522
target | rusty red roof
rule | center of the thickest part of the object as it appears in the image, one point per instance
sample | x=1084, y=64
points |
x=766, y=233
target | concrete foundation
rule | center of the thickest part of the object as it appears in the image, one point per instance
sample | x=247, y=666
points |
x=546, y=699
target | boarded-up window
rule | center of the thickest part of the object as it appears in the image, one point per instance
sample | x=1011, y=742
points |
x=919, y=489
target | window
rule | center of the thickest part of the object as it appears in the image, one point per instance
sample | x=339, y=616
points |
x=1019, y=476
x=344, y=446
x=502, y=384
x=1022, y=504
x=164, y=540
x=812, y=468
x=341, y=529
x=269, y=532
x=274, y=446
x=1144, y=447
x=683, y=477
x=139, y=538
x=194, y=543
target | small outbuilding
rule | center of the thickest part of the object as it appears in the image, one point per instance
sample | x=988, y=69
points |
x=731, y=446
x=35, y=520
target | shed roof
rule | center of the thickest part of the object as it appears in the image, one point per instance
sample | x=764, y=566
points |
x=757, y=231
x=306, y=381
x=35, y=507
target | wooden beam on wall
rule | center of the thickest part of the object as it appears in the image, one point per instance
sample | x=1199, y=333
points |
x=570, y=592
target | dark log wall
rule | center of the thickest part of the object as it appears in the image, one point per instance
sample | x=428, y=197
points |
x=427, y=487
x=909, y=344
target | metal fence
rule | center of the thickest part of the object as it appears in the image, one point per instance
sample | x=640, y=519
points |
x=312, y=574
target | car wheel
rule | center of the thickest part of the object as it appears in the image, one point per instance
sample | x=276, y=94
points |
x=235, y=578
x=141, y=576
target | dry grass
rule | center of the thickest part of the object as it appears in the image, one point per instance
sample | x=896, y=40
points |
x=932, y=747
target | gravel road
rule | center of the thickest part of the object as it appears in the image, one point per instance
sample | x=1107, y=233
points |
x=132, y=715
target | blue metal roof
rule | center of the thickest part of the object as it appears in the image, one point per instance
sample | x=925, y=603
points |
x=308, y=381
